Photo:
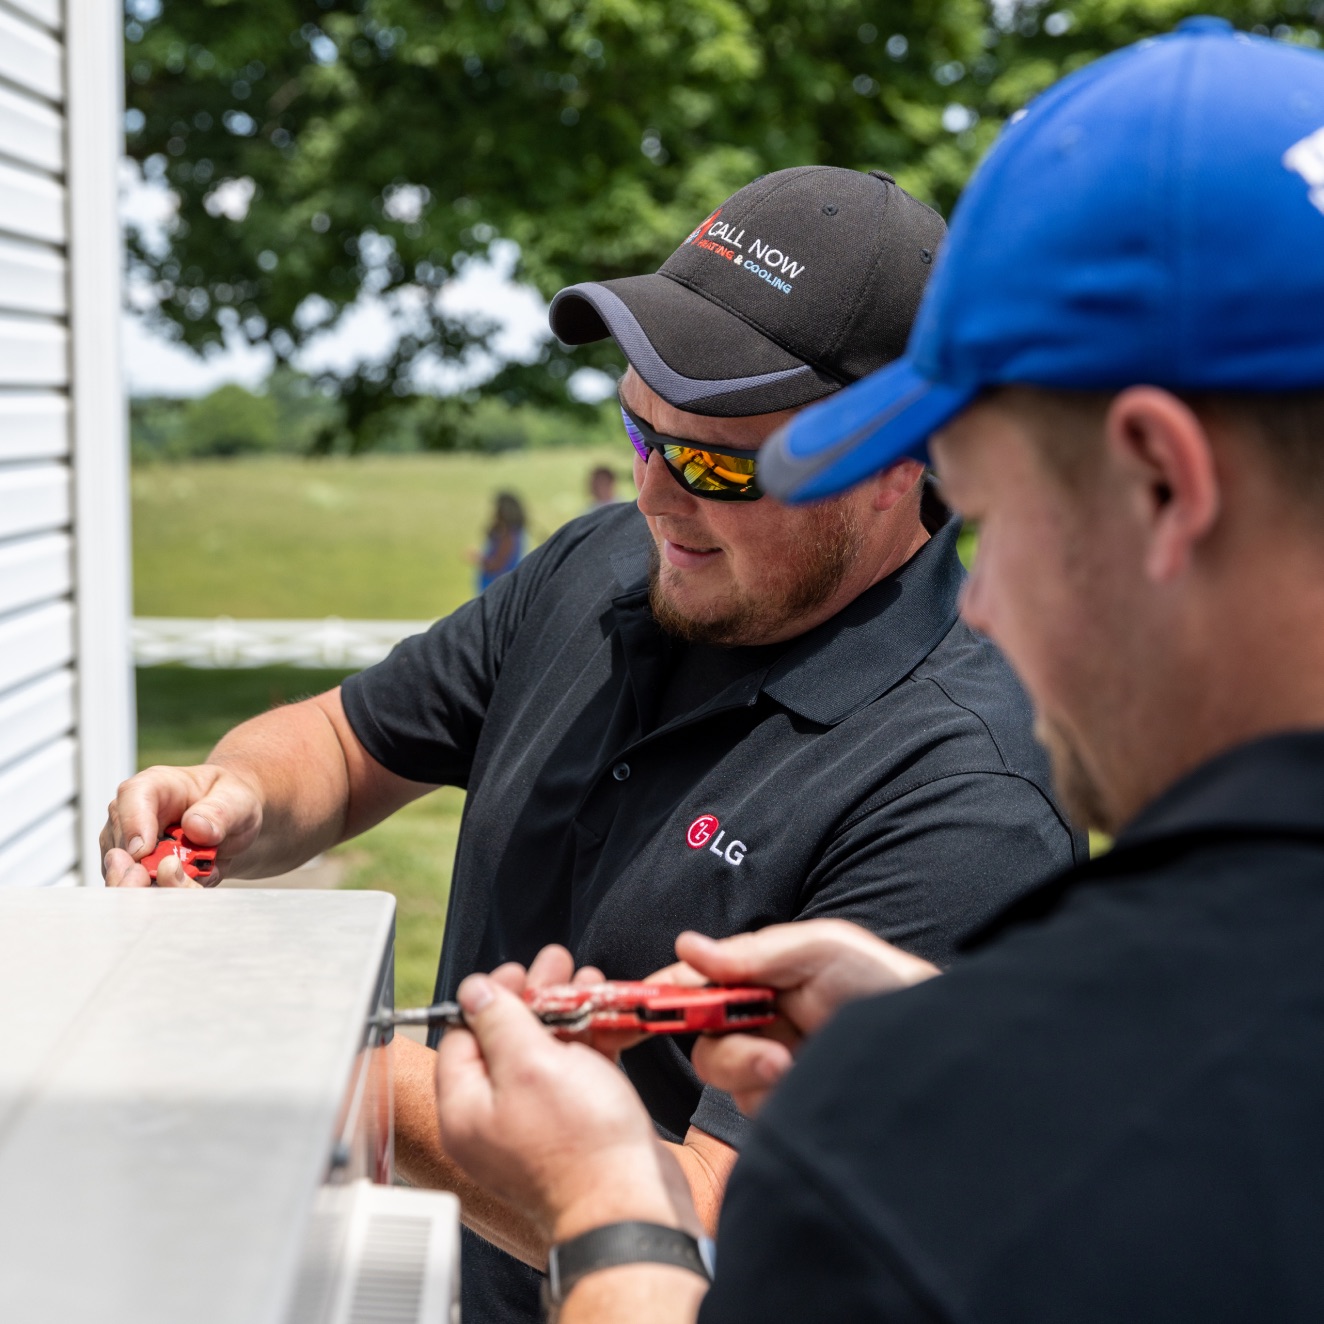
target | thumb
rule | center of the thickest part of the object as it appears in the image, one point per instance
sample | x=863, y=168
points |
x=228, y=813
x=464, y=1092
x=509, y=1035
x=728, y=961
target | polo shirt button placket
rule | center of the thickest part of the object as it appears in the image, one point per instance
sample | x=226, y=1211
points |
x=621, y=772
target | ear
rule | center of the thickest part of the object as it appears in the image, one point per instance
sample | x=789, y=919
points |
x=895, y=482
x=1162, y=453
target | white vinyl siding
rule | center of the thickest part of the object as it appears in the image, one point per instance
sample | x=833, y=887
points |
x=65, y=697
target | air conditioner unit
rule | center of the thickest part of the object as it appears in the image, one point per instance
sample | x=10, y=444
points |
x=195, y=1119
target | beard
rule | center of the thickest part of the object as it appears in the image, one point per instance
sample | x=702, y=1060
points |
x=1081, y=798
x=811, y=572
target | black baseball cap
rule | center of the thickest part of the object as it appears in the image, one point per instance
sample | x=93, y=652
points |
x=802, y=282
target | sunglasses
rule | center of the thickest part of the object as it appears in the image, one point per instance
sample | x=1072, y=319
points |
x=725, y=475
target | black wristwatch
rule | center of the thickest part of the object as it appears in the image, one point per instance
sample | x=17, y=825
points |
x=623, y=1243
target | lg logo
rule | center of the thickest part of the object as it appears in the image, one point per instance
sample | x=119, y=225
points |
x=707, y=831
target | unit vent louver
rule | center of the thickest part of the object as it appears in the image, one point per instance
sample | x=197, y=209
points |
x=380, y=1255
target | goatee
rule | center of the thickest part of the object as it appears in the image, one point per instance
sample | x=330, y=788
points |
x=811, y=574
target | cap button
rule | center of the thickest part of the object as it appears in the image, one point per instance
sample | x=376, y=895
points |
x=1205, y=23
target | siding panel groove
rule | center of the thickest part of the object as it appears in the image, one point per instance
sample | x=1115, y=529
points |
x=33, y=426
x=35, y=714
x=33, y=498
x=43, y=855
x=33, y=353
x=36, y=641
x=35, y=569
x=32, y=280
x=31, y=133
x=36, y=786
x=31, y=206
x=30, y=58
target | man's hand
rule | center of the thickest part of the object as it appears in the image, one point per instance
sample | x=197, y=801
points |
x=552, y=1128
x=215, y=806
x=818, y=965
x=275, y=791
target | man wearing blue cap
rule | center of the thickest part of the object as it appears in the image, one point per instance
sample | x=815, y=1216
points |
x=1110, y=1110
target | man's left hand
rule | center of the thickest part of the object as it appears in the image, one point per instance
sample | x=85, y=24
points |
x=553, y=1128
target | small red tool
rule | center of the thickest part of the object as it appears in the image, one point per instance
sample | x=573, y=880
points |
x=645, y=1008
x=197, y=861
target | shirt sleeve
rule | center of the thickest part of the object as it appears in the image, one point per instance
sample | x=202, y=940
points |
x=929, y=867
x=787, y=1251
x=924, y=870
x=420, y=711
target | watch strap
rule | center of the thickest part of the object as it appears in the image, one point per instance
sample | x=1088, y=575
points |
x=623, y=1243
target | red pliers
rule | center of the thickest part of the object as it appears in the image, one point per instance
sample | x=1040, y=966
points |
x=197, y=861
x=617, y=1005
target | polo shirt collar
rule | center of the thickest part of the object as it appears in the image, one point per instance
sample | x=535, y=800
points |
x=875, y=641
x=864, y=650
x=1267, y=788
x=1273, y=786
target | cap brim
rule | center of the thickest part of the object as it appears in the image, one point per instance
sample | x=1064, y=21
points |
x=673, y=337
x=886, y=417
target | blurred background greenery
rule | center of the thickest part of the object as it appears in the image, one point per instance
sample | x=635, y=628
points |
x=378, y=537
x=375, y=537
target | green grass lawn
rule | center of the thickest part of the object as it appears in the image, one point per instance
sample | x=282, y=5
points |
x=379, y=537
x=181, y=715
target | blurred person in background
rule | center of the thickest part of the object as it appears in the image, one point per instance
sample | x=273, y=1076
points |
x=1110, y=1110
x=504, y=548
x=602, y=487
x=704, y=710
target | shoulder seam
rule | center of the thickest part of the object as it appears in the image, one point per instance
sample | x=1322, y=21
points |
x=881, y=800
x=965, y=707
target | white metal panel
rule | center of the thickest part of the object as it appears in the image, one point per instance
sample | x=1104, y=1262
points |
x=32, y=279
x=173, y=1068
x=37, y=785
x=31, y=132
x=94, y=49
x=35, y=569
x=46, y=12
x=35, y=714
x=33, y=353
x=31, y=205
x=30, y=57
x=35, y=641
x=34, y=425
x=44, y=854
x=33, y=497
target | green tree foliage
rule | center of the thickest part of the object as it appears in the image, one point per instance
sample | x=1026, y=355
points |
x=322, y=149
x=289, y=415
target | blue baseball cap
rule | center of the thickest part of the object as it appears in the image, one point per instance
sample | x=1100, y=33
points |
x=1157, y=218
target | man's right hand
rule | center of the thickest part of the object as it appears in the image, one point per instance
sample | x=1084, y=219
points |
x=215, y=806
x=817, y=965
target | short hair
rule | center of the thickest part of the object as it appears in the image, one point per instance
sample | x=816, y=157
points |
x=1287, y=427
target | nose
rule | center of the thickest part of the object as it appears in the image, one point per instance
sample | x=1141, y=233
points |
x=660, y=493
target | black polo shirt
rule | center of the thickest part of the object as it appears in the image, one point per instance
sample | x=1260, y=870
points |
x=880, y=768
x=1113, y=1111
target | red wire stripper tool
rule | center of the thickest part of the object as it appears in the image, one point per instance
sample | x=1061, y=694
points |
x=645, y=1008
x=197, y=861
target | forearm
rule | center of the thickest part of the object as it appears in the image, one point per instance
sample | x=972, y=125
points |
x=316, y=784
x=640, y=1293
x=706, y=1163
x=423, y=1162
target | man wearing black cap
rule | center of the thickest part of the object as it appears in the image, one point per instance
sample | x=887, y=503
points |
x=709, y=711
x=1110, y=1109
